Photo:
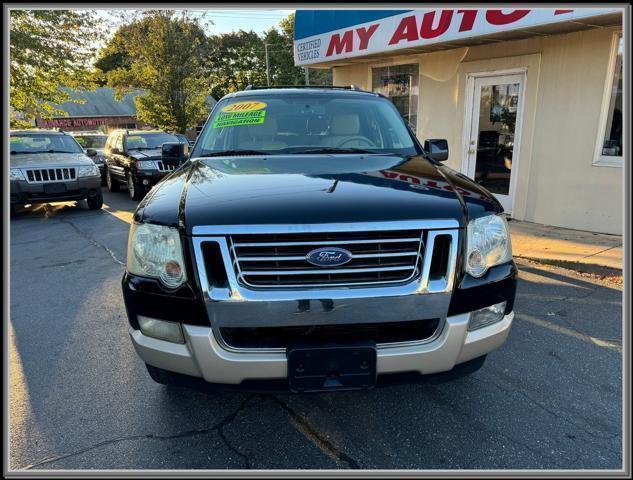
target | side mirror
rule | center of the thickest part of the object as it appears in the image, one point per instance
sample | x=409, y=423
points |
x=115, y=151
x=437, y=149
x=174, y=151
x=91, y=152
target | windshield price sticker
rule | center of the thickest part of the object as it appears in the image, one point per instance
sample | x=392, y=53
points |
x=234, y=119
x=243, y=107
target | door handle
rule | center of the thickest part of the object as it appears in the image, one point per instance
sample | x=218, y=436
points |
x=471, y=151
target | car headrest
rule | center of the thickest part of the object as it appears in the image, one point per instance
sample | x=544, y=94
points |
x=346, y=124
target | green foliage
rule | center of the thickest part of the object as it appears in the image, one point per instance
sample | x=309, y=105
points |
x=235, y=60
x=161, y=53
x=282, y=67
x=239, y=58
x=48, y=51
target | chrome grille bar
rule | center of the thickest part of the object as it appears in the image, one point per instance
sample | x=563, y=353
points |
x=327, y=242
x=164, y=167
x=328, y=271
x=366, y=255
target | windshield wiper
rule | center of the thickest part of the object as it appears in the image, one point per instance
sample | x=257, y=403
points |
x=13, y=152
x=228, y=153
x=340, y=150
x=141, y=148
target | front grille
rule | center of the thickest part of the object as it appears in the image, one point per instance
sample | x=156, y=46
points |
x=279, y=260
x=282, y=337
x=46, y=175
x=165, y=167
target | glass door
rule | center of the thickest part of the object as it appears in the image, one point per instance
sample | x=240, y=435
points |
x=494, y=134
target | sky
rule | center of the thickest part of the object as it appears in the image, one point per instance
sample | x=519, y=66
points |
x=224, y=20
x=232, y=20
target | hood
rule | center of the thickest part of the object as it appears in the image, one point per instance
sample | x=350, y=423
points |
x=35, y=160
x=313, y=189
x=153, y=154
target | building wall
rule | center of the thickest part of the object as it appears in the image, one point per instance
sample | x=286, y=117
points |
x=557, y=183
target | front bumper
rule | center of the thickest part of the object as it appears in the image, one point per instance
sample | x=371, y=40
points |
x=203, y=356
x=149, y=178
x=23, y=192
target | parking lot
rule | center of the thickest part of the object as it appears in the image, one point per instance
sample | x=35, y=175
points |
x=551, y=397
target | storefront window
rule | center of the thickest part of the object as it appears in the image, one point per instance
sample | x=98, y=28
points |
x=400, y=84
x=611, y=149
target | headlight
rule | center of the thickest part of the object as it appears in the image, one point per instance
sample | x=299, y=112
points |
x=88, y=171
x=145, y=165
x=488, y=244
x=16, y=174
x=155, y=251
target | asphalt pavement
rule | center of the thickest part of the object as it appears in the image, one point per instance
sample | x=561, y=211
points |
x=80, y=398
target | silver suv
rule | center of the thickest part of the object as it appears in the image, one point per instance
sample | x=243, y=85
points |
x=50, y=166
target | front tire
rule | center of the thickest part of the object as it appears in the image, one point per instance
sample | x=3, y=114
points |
x=113, y=185
x=95, y=202
x=134, y=188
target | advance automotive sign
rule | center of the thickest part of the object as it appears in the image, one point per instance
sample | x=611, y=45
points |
x=324, y=35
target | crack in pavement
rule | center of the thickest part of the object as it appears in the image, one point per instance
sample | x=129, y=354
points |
x=601, y=251
x=457, y=408
x=92, y=240
x=153, y=436
x=311, y=433
x=553, y=413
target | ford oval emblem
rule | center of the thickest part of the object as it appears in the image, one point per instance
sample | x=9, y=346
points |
x=329, y=257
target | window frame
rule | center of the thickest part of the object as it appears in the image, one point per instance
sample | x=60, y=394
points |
x=600, y=160
x=402, y=61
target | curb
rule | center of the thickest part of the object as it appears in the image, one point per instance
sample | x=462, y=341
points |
x=577, y=266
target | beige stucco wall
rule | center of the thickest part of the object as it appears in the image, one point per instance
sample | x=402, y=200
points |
x=557, y=183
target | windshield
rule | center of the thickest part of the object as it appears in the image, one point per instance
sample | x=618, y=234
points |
x=42, y=143
x=305, y=123
x=148, y=141
x=91, y=141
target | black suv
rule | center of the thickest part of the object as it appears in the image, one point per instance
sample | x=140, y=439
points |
x=311, y=241
x=133, y=157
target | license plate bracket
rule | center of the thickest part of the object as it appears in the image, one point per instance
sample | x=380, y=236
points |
x=329, y=367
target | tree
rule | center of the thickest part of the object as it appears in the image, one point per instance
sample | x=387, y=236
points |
x=162, y=54
x=282, y=58
x=235, y=60
x=48, y=51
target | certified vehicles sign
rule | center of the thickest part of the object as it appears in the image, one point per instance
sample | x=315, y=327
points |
x=324, y=35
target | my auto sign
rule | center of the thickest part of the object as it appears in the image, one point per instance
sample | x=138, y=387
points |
x=424, y=27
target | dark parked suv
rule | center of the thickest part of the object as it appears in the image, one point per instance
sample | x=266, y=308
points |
x=133, y=158
x=310, y=241
x=95, y=141
x=50, y=166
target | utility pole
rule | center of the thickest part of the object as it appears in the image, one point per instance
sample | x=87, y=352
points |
x=267, y=65
x=307, y=74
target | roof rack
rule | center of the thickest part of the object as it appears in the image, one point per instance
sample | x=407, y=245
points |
x=333, y=87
